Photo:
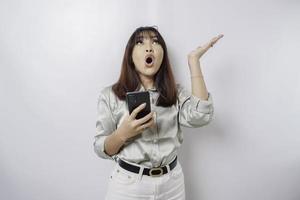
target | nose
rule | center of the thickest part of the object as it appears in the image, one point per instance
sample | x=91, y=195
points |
x=149, y=47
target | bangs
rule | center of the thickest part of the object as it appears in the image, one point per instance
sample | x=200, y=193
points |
x=141, y=34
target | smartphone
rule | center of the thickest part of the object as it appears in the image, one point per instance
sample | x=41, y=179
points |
x=136, y=98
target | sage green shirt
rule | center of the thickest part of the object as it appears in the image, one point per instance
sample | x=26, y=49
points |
x=158, y=145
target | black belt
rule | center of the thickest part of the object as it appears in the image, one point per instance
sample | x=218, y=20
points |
x=156, y=171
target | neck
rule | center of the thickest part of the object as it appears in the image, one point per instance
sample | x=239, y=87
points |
x=147, y=82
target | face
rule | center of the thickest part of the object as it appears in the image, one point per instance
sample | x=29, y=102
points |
x=147, y=55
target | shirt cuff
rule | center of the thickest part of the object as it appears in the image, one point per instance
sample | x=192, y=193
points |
x=99, y=148
x=203, y=106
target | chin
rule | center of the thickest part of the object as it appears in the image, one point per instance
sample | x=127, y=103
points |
x=149, y=75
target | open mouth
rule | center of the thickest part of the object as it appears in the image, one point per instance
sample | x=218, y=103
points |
x=149, y=60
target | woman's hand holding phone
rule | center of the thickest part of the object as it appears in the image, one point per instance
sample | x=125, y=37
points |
x=131, y=126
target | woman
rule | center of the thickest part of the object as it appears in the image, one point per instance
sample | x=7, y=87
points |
x=145, y=150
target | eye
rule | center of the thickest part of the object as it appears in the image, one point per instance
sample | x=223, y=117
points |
x=139, y=41
x=155, y=42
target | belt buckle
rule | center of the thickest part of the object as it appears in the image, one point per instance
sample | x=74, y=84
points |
x=156, y=175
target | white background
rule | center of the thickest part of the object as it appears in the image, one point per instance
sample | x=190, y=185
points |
x=56, y=55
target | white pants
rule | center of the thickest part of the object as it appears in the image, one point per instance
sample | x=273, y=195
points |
x=126, y=185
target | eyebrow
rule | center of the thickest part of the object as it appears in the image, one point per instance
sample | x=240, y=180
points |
x=142, y=37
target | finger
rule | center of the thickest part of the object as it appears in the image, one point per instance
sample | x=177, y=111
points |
x=215, y=39
x=145, y=119
x=150, y=123
x=146, y=125
x=137, y=110
x=210, y=43
x=220, y=36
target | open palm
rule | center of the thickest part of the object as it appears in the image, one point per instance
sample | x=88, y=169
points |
x=196, y=54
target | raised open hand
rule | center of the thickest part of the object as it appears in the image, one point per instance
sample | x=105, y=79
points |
x=196, y=54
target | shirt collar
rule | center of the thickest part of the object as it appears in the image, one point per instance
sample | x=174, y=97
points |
x=143, y=89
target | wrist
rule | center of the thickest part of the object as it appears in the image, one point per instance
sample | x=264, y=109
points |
x=195, y=70
x=197, y=76
x=194, y=65
x=121, y=135
x=193, y=60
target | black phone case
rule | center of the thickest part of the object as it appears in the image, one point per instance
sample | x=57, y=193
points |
x=136, y=98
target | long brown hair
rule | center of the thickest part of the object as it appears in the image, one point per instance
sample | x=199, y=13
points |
x=129, y=79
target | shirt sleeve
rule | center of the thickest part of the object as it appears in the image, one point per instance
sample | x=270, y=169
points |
x=194, y=112
x=105, y=125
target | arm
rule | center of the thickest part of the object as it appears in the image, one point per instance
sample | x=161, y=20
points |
x=193, y=111
x=130, y=127
x=109, y=139
x=113, y=143
x=198, y=84
x=196, y=109
x=106, y=141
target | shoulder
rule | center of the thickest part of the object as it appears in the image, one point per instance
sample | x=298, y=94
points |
x=182, y=92
x=105, y=93
x=179, y=87
x=105, y=90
